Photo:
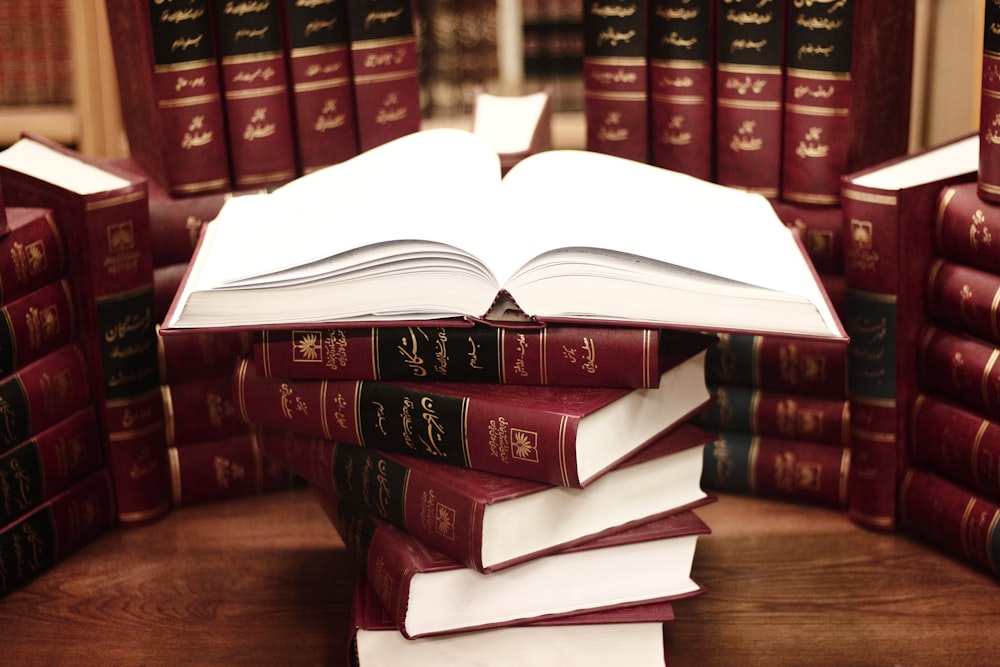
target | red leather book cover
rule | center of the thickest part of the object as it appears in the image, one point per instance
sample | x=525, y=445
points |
x=255, y=92
x=385, y=70
x=616, y=78
x=319, y=71
x=166, y=280
x=32, y=252
x=766, y=412
x=803, y=366
x=35, y=325
x=552, y=355
x=56, y=529
x=960, y=367
x=104, y=216
x=201, y=409
x=988, y=179
x=957, y=443
x=561, y=436
x=168, y=76
x=48, y=462
x=965, y=227
x=951, y=518
x=749, y=94
x=822, y=229
x=964, y=299
x=848, y=73
x=429, y=594
x=196, y=354
x=682, y=86
x=489, y=522
x=887, y=250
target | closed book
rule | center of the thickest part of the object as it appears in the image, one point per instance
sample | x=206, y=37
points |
x=53, y=531
x=104, y=216
x=630, y=636
x=489, y=522
x=198, y=354
x=988, y=177
x=430, y=594
x=166, y=281
x=200, y=409
x=951, y=518
x=848, y=74
x=32, y=252
x=888, y=216
x=552, y=355
x=774, y=467
x=166, y=59
x=558, y=435
x=682, y=86
x=965, y=226
x=964, y=298
x=960, y=367
x=220, y=469
x=36, y=324
x=822, y=230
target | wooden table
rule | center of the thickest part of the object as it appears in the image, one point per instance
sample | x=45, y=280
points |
x=266, y=581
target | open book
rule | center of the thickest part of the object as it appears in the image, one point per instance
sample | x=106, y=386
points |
x=424, y=228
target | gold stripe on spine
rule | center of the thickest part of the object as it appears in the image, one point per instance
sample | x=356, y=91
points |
x=752, y=456
x=984, y=381
x=754, y=408
x=845, y=466
x=175, y=475
x=563, y=463
x=543, y=341
x=994, y=305
x=168, y=414
x=946, y=197
x=977, y=443
x=376, y=360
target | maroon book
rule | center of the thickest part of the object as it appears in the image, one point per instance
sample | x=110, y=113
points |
x=197, y=354
x=489, y=522
x=319, y=71
x=988, y=179
x=960, y=367
x=168, y=77
x=957, y=443
x=784, y=468
x=822, y=230
x=199, y=410
x=965, y=227
x=35, y=325
x=964, y=298
x=616, y=78
x=888, y=217
x=552, y=355
x=56, y=529
x=951, y=518
x=104, y=216
x=429, y=594
x=557, y=435
x=385, y=70
x=255, y=93
x=32, y=252
x=166, y=280
x=848, y=73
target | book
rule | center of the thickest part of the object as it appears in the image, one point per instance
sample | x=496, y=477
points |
x=429, y=594
x=957, y=443
x=960, y=367
x=558, y=435
x=988, y=177
x=516, y=126
x=775, y=467
x=964, y=298
x=848, y=74
x=616, y=78
x=166, y=281
x=822, y=230
x=681, y=86
x=631, y=636
x=965, y=226
x=383, y=48
x=749, y=94
x=489, y=522
x=32, y=252
x=553, y=355
x=36, y=324
x=889, y=212
x=951, y=518
x=256, y=96
x=104, y=217
x=319, y=71
x=53, y=531
x=171, y=101
x=197, y=355
x=724, y=257
x=48, y=462
x=200, y=409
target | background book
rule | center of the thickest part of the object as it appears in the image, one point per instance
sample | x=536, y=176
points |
x=32, y=250
x=988, y=178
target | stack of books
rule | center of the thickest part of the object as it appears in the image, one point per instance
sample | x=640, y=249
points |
x=485, y=444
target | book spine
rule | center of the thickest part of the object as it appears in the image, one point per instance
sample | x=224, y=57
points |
x=200, y=410
x=988, y=178
x=319, y=70
x=965, y=226
x=384, y=67
x=956, y=443
x=256, y=95
x=822, y=230
x=49, y=462
x=197, y=355
x=577, y=356
x=175, y=224
x=32, y=253
x=53, y=531
x=951, y=518
x=517, y=440
x=35, y=325
x=784, y=468
x=616, y=78
x=964, y=299
x=801, y=366
x=778, y=414
x=819, y=90
x=168, y=51
x=749, y=93
x=961, y=368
